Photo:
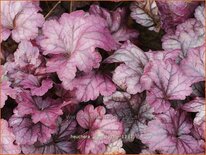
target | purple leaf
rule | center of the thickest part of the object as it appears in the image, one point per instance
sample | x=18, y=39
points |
x=198, y=89
x=37, y=87
x=174, y=13
x=74, y=38
x=27, y=132
x=116, y=22
x=169, y=84
x=132, y=110
x=90, y=86
x=189, y=34
x=69, y=99
x=130, y=76
x=59, y=143
x=169, y=133
x=162, y=55
x=42, y=110
x=194, y=64
x=103, y=129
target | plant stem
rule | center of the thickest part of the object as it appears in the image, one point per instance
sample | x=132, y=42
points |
x=70, y=7
x=47, y=15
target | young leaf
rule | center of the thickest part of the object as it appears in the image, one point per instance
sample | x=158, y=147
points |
x=27, y=55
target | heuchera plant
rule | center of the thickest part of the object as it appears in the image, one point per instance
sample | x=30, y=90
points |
x=88, y=79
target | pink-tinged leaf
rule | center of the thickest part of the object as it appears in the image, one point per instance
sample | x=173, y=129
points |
x=116, y=22
x=156, y=98
x=74, y=37
x=21, y=18
x=162, y=55
x=198, y=132
x=174, y=13
x=115, y=148
x=27, y=132
x=196, y=105
x=6, y=90
x=27, y=55
x=13, y=73
x=125, y=34
x=66, y=74
x=90, y=86
x=132, y=110
x=88, y=145
x=200, y=14
x=69, y=99
x=145, y=13
x=194, y=64
x=5, y=33
x=37, y=86
x=28, y=65
x=169, y=84
x=102, y=129
x=169, y=133
x=147, y=151
x=189, y=34
x=60, y=142
x=130, y=80
x=86, y=117
x=45, y=111
x=130, y=54
x=7, y=139
x=128, y=75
